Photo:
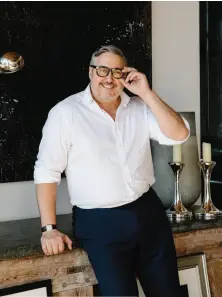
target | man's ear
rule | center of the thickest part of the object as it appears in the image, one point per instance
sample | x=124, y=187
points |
x=90, y=72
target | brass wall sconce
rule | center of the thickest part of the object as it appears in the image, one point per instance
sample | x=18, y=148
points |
x=11, y=62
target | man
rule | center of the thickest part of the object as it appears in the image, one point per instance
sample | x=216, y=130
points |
x=101, y=138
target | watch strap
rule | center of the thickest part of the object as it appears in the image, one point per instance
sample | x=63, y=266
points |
x=48, y=227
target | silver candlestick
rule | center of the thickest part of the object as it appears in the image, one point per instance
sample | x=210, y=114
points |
x=207, y=209
x=177, y=209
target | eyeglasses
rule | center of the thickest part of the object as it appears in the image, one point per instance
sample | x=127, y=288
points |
x=104, y=71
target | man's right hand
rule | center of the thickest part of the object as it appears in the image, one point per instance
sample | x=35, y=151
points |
x=53, y=242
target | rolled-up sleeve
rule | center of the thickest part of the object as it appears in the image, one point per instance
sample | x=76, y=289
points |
x=54, y=148
x=158, y=135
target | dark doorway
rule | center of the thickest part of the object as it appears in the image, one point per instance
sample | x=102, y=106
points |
x=211, y=88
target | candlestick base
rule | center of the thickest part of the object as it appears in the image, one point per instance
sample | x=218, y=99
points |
x=178, y=220
x=207, y=211
x=201, y=214
x=177, y=210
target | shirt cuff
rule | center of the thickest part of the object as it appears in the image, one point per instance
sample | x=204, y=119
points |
x=42, y=176
x=168, y=141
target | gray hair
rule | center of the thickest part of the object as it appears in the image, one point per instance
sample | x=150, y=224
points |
x=108, y=49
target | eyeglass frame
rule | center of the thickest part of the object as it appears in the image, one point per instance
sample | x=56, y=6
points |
x=109, y=70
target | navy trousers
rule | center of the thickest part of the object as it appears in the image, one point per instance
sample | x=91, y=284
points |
x=128, y=242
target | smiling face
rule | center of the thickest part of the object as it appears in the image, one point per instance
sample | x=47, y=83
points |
x=106, y=89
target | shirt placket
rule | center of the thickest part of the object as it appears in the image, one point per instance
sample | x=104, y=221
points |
x=121, y=151
x=119, y=144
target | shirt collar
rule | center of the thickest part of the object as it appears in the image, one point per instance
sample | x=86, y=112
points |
x=88, y=99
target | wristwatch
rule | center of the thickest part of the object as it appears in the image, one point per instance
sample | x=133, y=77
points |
x=48, y=227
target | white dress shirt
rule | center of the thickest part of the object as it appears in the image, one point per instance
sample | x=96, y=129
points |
x=107, y=163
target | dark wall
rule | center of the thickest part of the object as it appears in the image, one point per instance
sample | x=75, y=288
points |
x=56, y=40
x=211, y=88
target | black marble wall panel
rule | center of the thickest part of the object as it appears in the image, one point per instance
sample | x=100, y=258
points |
x=56, y=40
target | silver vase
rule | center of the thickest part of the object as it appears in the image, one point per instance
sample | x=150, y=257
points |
x=190, y=177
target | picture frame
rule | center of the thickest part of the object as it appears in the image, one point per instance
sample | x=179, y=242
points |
x=193, y=275
x=35, y=289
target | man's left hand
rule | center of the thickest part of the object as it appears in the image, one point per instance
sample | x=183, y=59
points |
x=136, y=82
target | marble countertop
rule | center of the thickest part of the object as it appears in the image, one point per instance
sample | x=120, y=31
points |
x=21, y=238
